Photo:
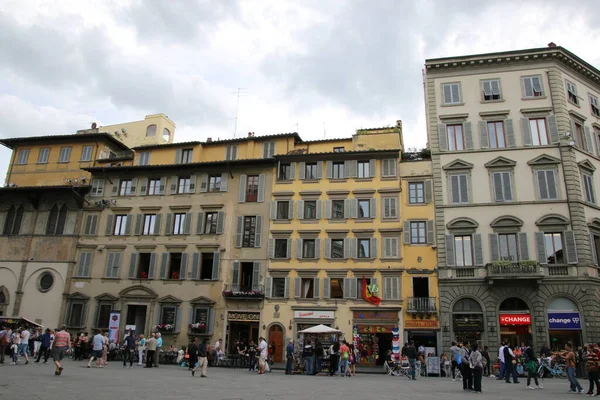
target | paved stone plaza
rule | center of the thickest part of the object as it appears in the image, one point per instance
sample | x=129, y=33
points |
x=38, y=382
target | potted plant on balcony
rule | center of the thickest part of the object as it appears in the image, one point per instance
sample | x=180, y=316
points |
x=165, y=327
x=197, y=327
x=240, y=293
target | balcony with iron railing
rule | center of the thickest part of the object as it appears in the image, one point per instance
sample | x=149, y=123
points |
x=514, y=269
x=421, y=305
x=242, y=292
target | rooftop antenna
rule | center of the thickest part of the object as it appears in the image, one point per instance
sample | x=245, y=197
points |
x=237, y=107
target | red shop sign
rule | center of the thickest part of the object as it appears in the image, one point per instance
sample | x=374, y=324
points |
x=515, y=319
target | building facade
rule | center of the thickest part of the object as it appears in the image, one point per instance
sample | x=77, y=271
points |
x=514, y=142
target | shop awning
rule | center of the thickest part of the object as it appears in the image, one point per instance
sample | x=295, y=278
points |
x=17, y=321
x=320, y=329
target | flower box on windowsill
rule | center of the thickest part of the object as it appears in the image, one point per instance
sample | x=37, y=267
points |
x=197, y=329
x=165, y=328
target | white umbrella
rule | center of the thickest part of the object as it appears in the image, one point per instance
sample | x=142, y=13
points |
x=320, y=329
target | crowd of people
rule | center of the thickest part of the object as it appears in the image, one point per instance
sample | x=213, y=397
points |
x=474, y=364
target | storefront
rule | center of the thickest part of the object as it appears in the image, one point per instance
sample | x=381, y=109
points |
x=564, y=323
x=372, y=334
x=304, y=319
x=467, y=321
x=241, y=326
x=423, y=332
x=515, y=322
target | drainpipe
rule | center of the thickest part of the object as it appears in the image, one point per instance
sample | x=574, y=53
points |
x=560, y=146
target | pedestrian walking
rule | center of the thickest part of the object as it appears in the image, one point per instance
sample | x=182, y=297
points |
x=44, y=351
x=308, y=356
x=24, y=346
x=454, y=351
x=129, y=349
x=4, y=342
x=411, y=353
x=344, y=358
x=571, y=363
x=105, y=350
x=502, y=361
x=202, y=359
x=141, y=346
x=592, y=366
x=60, y=346
x=37, y=341
x=476, y=365
x=531, y=366
x=97, y=349
x=262, y=350
x=192, y=353
x=159, y=344
x=252, y=356
x=289, y=352
x=150, y=350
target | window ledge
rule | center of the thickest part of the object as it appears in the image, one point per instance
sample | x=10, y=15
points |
x=82, y=278
x=309, y=221
x=492, y=101
x=337, y=180
x=338, y=221
x=534, y=98
x=363, y=179
x=364, y=220
x=369, y=260
x=574, y=104
x=105, y=279
x=276, y=259
x=391, y=258
x=389, y=178
x=307, y=260
x=453, y=105
x=302, y=300
x=310, y=180
x=284, y=182
x=396, y=219
x=282, y=221
x=417, y=204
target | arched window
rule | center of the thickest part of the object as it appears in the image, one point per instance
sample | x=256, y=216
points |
x=467, y=305
x=14, y=217
x=57, y=220
x=513, y=304
x=151, y=130
x=2, y=297
x=166, y=134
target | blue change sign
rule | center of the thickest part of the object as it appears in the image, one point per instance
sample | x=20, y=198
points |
x=564, y=320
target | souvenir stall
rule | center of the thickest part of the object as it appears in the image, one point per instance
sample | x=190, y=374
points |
x=326, y=335
x=18, y=322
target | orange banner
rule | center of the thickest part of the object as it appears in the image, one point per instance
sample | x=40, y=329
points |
x=421, y=324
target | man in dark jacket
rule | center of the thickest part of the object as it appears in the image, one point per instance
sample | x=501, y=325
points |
x=202, y=360
x=509, y=368
x=45, y=347
x=411, y=353
x=289, y=352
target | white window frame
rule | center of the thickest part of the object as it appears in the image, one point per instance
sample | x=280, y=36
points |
x=453, y=145
x=363, y=169
x=183, y=184
x=186, y=156
x=463, y=263
x=86, y=153
x=214, y=183
x=534, y=93
x=43, y=155
x=416, y=187
x=273, y=287
x=497, y=144
x=420, y=228
x=368, y=249
x=153, y=187
x=370, y=214
x=97, y=188
x=337, y=170
x=23, y=156
x=125, y=186
x=450, y=86
x=534, y=125
x=231, y=152
x=64, y=155
x=211, y=220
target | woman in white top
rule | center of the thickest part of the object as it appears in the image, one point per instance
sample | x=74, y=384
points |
x=16, y=342
x=141, y=348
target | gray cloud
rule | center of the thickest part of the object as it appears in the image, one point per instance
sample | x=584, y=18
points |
x=180, y=20
x=90, y=64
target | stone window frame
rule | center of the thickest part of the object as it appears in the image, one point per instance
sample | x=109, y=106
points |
x=594, y=231
x=464, y=226
x=587, y=168
x=280, y=234
x=546, y=162
x=509, y=224
x=458, y=167
x=501, y=164
x=556, y=223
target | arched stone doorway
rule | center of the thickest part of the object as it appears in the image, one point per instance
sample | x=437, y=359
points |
x=564, y=323
x=467, y=321
x=515, y=322
x=276, y=335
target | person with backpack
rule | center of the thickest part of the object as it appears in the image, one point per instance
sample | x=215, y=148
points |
x=531, y=366
x=344, y=358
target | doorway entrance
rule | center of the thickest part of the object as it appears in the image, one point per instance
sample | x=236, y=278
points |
x=242, y=331
x=276, y=336
x=136, y=315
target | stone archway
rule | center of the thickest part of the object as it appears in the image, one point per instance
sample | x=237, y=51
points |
x=276, y=333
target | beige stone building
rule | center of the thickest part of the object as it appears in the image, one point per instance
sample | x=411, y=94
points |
x=515, y=148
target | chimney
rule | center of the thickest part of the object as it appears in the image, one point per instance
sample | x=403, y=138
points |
x=551, y=44
x=208, y=140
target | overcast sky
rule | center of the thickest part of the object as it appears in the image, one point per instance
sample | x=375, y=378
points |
x=324, y=67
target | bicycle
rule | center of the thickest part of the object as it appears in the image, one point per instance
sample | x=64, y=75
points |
x=559, y=370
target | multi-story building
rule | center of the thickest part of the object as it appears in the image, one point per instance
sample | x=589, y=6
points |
x=40, y=212
x=335, y=227
x=515, y=147
x=419, y=276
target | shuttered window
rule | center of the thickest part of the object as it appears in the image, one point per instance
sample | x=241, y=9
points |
x=501, y=182
x=463, y=249
x=459, y=190
x=451, y=93
x=588, y=185
x=546, y=181
x=491, y=89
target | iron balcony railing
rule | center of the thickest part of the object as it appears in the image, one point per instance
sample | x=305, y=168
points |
x=514, y=269
x=421, y=305
x=244, y=292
